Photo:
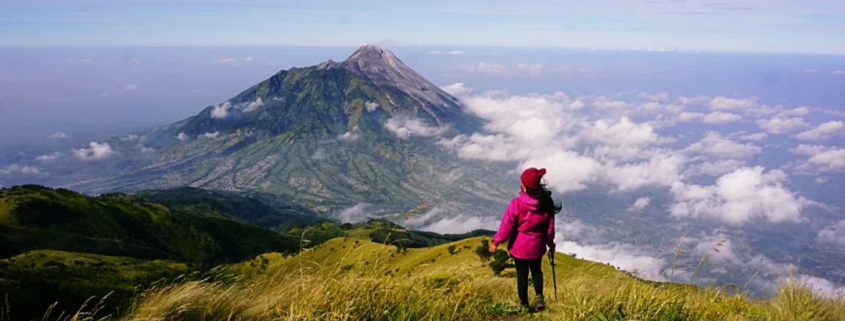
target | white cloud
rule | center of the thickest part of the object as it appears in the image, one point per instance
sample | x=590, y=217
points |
x=811, y=150
x=147, y=149
x=210, y=135
x=358, y=213
x=545, y=131
x=713, y=144
x=839, y=72
x=182, y=137
x=531, y=69
x=754, y=137
x=609, y=103
x=130, y=87
x=662, y=169
x=718, y=117
x=568, y=170
x=452, y=52
x=625, y=256
x=822, y=158
x=227, y=60
x=810, y=71
x=800, y=111
x=823, y=131
x=248, y=59
x=19, y=169
x=622, y=133
x=721, y=251
x=349, y=136
x=780, y=125
x=405, y=127
x=739, y=197
x=457, y=89
x=251, y=106
x=129, y=138
x=48, y=157
x=725, y=103
x=640, y=204
x=94, y=152
x=371, y=106
x=717, y=168
x=834, y=234
x=821, y=180
x=59, y=135
x=698, y=100
x=481, y=67
x=221, y=111
x=689, y=116
x=818, y=285
x=461, y=223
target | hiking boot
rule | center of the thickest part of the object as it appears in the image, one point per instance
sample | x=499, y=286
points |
x=539, y=303
x=527, y=307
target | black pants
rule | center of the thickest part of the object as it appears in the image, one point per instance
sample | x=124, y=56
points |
x=522, y=267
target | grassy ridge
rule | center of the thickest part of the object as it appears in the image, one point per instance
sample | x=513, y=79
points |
x=351, y=279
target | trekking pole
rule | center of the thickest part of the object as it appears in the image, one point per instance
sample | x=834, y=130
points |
x=554, y=278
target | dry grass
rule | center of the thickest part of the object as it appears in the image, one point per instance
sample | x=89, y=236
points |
x=320, y=285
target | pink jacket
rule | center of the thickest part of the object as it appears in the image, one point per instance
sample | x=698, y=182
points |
x=527, y=232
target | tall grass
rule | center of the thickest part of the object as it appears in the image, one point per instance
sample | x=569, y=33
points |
x=300, y=289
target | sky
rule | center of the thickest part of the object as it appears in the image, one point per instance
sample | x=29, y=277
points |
x=812, y=26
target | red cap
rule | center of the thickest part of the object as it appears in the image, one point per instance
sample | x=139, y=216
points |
x=531, y=177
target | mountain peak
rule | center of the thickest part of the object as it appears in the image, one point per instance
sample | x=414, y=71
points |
x=372, y=54
x=383, y=68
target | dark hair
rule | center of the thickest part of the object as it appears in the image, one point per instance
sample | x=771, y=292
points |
x=547, y=204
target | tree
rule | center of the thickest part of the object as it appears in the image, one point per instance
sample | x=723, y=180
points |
x=452, y=249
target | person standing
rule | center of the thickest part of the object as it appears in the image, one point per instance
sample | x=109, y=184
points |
x=528, y=225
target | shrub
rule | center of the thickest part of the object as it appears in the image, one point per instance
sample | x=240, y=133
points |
x=483, y=252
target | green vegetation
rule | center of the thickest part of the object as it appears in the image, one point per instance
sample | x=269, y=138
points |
x=35, y=280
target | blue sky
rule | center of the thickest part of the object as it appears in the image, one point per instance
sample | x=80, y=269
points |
x=812, y=26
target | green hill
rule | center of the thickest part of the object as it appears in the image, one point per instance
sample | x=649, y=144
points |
x=268, y=211
x=37, y=218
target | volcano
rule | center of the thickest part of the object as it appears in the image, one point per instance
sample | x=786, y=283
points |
x=330, y=136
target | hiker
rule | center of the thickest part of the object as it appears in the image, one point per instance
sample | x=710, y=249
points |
x=529, y=227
